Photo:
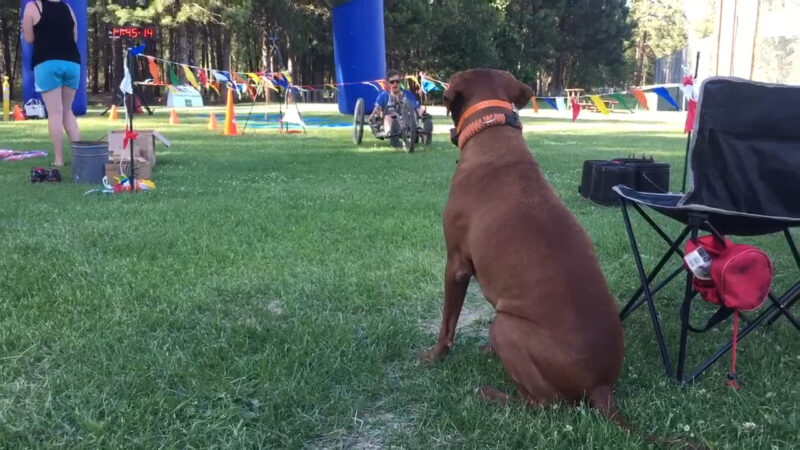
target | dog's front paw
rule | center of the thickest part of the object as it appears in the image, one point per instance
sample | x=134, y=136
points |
x=429, y=357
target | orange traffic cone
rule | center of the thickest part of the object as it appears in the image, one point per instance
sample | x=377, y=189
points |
x=173, y=117
x=230, y=117
x=212, y=122
x=114, y=113
x=18, y=113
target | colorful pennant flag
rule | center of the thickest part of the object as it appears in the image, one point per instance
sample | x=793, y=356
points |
x=691, y=111
x=551, y=101
x=535, y=105
x=639, y=95
x=151, y=63
x=332, y=86
x=622, y=101
x=664, y=93
x=190, y=77
x=173, y=78
x=562, y=104
x=203, y=79
x=576, y=108
x=598, y=102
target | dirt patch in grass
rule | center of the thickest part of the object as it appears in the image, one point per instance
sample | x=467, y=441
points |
x=476, y=314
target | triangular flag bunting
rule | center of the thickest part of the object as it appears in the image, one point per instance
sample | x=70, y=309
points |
x=664, y=93
x=151, y=63
x=172, y=77
x=562, y=104
x=190, y=77
x=622, y=101
x=598, y=102
x=535, y=105
x=550, y=101
x=639, y=95
x=576, y=108
x=691, y=110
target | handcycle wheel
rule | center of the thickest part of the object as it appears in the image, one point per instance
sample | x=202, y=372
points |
x=358, y=121
x=427, y=130
x=409, y=127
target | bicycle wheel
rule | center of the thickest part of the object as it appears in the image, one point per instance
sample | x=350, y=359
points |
x=409, y=126
x=358, y=121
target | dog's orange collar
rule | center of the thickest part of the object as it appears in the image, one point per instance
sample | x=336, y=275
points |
x=481, y=105
x=484, y=122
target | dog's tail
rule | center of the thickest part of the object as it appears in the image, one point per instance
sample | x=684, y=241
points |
x=602, y=399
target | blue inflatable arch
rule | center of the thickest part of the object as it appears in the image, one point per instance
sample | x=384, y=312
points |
x=359, y=50
x=79, y=7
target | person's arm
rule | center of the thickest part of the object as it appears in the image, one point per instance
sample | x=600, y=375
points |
x=75, y=27
x=27, y=22
x=377, y=110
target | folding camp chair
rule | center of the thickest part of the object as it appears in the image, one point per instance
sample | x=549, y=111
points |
x=744, y=180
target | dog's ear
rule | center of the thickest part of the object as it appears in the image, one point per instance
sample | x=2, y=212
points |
x=518, y=93
x=454, y=95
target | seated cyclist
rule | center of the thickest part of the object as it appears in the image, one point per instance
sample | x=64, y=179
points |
x=387, y=105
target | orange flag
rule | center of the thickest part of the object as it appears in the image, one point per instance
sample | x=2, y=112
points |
x=640, y=97
x=153, y=69
x=535, y=105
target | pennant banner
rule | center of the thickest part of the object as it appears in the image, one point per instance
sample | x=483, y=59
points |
x=599, y=103
x=639, y=95
x=535, y=105
x=576, y=108
x=664, y=93
x=550, y=101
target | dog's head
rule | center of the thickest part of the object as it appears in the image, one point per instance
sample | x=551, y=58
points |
x=476, y=85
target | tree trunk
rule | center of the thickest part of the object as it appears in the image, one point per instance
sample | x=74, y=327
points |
x=94, y=74
x=641, y=60
x=5, y=41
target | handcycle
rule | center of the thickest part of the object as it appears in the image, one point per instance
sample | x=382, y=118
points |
x=408, y=127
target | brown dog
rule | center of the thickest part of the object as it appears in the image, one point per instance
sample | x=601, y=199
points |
x=557, y=330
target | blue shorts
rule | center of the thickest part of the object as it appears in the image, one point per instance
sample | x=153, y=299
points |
x=55, y=73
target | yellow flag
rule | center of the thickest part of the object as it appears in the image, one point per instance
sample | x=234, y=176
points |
x=254, y=77
x=414, y=79
x=599, y=103
x=288, y=76
x=190, y=77
x=332, y=86
x=269, y=84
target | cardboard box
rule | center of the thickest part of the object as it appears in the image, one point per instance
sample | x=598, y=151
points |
x=144, y=170
x=143, y=147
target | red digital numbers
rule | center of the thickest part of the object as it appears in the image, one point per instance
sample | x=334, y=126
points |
x=133, y=32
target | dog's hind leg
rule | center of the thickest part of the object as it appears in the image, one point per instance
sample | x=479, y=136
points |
x=511, y=345
x=456, y=280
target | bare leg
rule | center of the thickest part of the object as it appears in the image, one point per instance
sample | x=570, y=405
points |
x=456, y=280
x=53, y=101
x=70, y=123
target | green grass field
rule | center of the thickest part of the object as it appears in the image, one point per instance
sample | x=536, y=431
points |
x=274, y=291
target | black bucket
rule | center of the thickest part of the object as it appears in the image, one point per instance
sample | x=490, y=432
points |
x=586, y=176
x=652, y=177
x=89, y=161
x=605, y=177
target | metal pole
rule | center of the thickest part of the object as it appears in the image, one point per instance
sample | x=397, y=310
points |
x=689, y=135
x=132, y=63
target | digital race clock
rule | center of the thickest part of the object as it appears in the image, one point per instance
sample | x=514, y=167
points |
x=133, y=32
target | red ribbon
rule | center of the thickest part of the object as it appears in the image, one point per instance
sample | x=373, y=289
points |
x=129, y=136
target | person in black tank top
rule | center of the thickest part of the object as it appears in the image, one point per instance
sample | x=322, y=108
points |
x=51, y=27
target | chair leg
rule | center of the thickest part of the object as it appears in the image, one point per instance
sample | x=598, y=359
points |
x=635, y=301
x=784, y=303
x=638, y=300
x=784, y=308
x=646, y=288
x=724, y=349
x=686, y=307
